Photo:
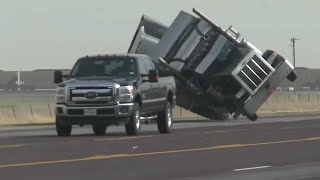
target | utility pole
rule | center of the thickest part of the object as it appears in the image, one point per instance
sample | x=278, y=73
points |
x=293, y=41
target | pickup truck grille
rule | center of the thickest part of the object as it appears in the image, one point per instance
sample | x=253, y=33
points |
x=254, y=74
x=99, y=111
x=91, y=95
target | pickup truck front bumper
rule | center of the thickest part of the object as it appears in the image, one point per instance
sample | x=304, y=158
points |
x=80, y=115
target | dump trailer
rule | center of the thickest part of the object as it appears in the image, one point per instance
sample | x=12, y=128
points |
x=216, y=73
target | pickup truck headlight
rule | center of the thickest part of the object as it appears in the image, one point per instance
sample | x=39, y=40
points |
x=126, y=94
x=60, y=95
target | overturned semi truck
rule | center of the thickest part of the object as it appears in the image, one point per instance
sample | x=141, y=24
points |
x=216, y=73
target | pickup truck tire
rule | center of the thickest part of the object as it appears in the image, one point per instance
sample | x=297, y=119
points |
x=62, y=129
x=134, y=124
x=99, y=129
x=164, y=120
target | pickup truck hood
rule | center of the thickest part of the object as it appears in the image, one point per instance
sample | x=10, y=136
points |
x=99, y=80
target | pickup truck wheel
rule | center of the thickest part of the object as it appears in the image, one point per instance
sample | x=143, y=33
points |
x=133, y=126
x=164, y=121
x=62, y=129
x=99, y=129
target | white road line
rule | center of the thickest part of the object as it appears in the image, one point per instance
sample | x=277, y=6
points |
x=191, y=133
x=293, y=127
x=252, y=168
x=299, y=127
x=12, y=146
x=122, y=138
x=212, y=132
x=226, y=131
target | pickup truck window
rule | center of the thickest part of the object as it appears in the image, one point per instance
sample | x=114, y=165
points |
x=118, y=67
x=148, y=64
x=142, y=67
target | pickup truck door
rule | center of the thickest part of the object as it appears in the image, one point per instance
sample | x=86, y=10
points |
x=157, y=90
x=145, y=88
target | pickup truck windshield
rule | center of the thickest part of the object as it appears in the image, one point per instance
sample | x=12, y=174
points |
x=118, y=67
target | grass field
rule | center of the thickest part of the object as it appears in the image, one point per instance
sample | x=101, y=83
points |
x=38, y=107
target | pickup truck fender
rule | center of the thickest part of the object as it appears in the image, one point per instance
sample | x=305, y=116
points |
x=137, y=97
x=171, y=92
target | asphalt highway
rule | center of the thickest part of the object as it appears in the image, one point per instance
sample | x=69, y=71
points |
x=270, y=148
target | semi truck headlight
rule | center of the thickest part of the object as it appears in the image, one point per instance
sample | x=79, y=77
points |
x=126, y=94
x=60, y=95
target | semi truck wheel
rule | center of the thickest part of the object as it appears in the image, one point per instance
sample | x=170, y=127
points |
x=279, y=59
x=254, y=117
x=164, y=120
x=133, y=126
x=62, y=129
x=267, y=54
x=99, y=129
x=222, y=116
x=292, y=76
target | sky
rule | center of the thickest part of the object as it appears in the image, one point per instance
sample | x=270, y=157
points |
x=53, y=34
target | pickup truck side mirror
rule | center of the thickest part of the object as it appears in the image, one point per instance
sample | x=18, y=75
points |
x=153, y=75
x=58, y=77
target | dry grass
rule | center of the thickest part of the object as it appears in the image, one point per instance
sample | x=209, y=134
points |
x=277, y=103
x=22, y=114
x=36, y=119
x=291, y=103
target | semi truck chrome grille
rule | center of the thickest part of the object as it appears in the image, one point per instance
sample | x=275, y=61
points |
x=91, y=95
x=253, y=74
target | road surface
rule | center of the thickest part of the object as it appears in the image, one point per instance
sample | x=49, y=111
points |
x=271, y=148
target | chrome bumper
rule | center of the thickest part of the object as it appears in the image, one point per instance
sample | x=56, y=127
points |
x=119, y=110
x=252, y=105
